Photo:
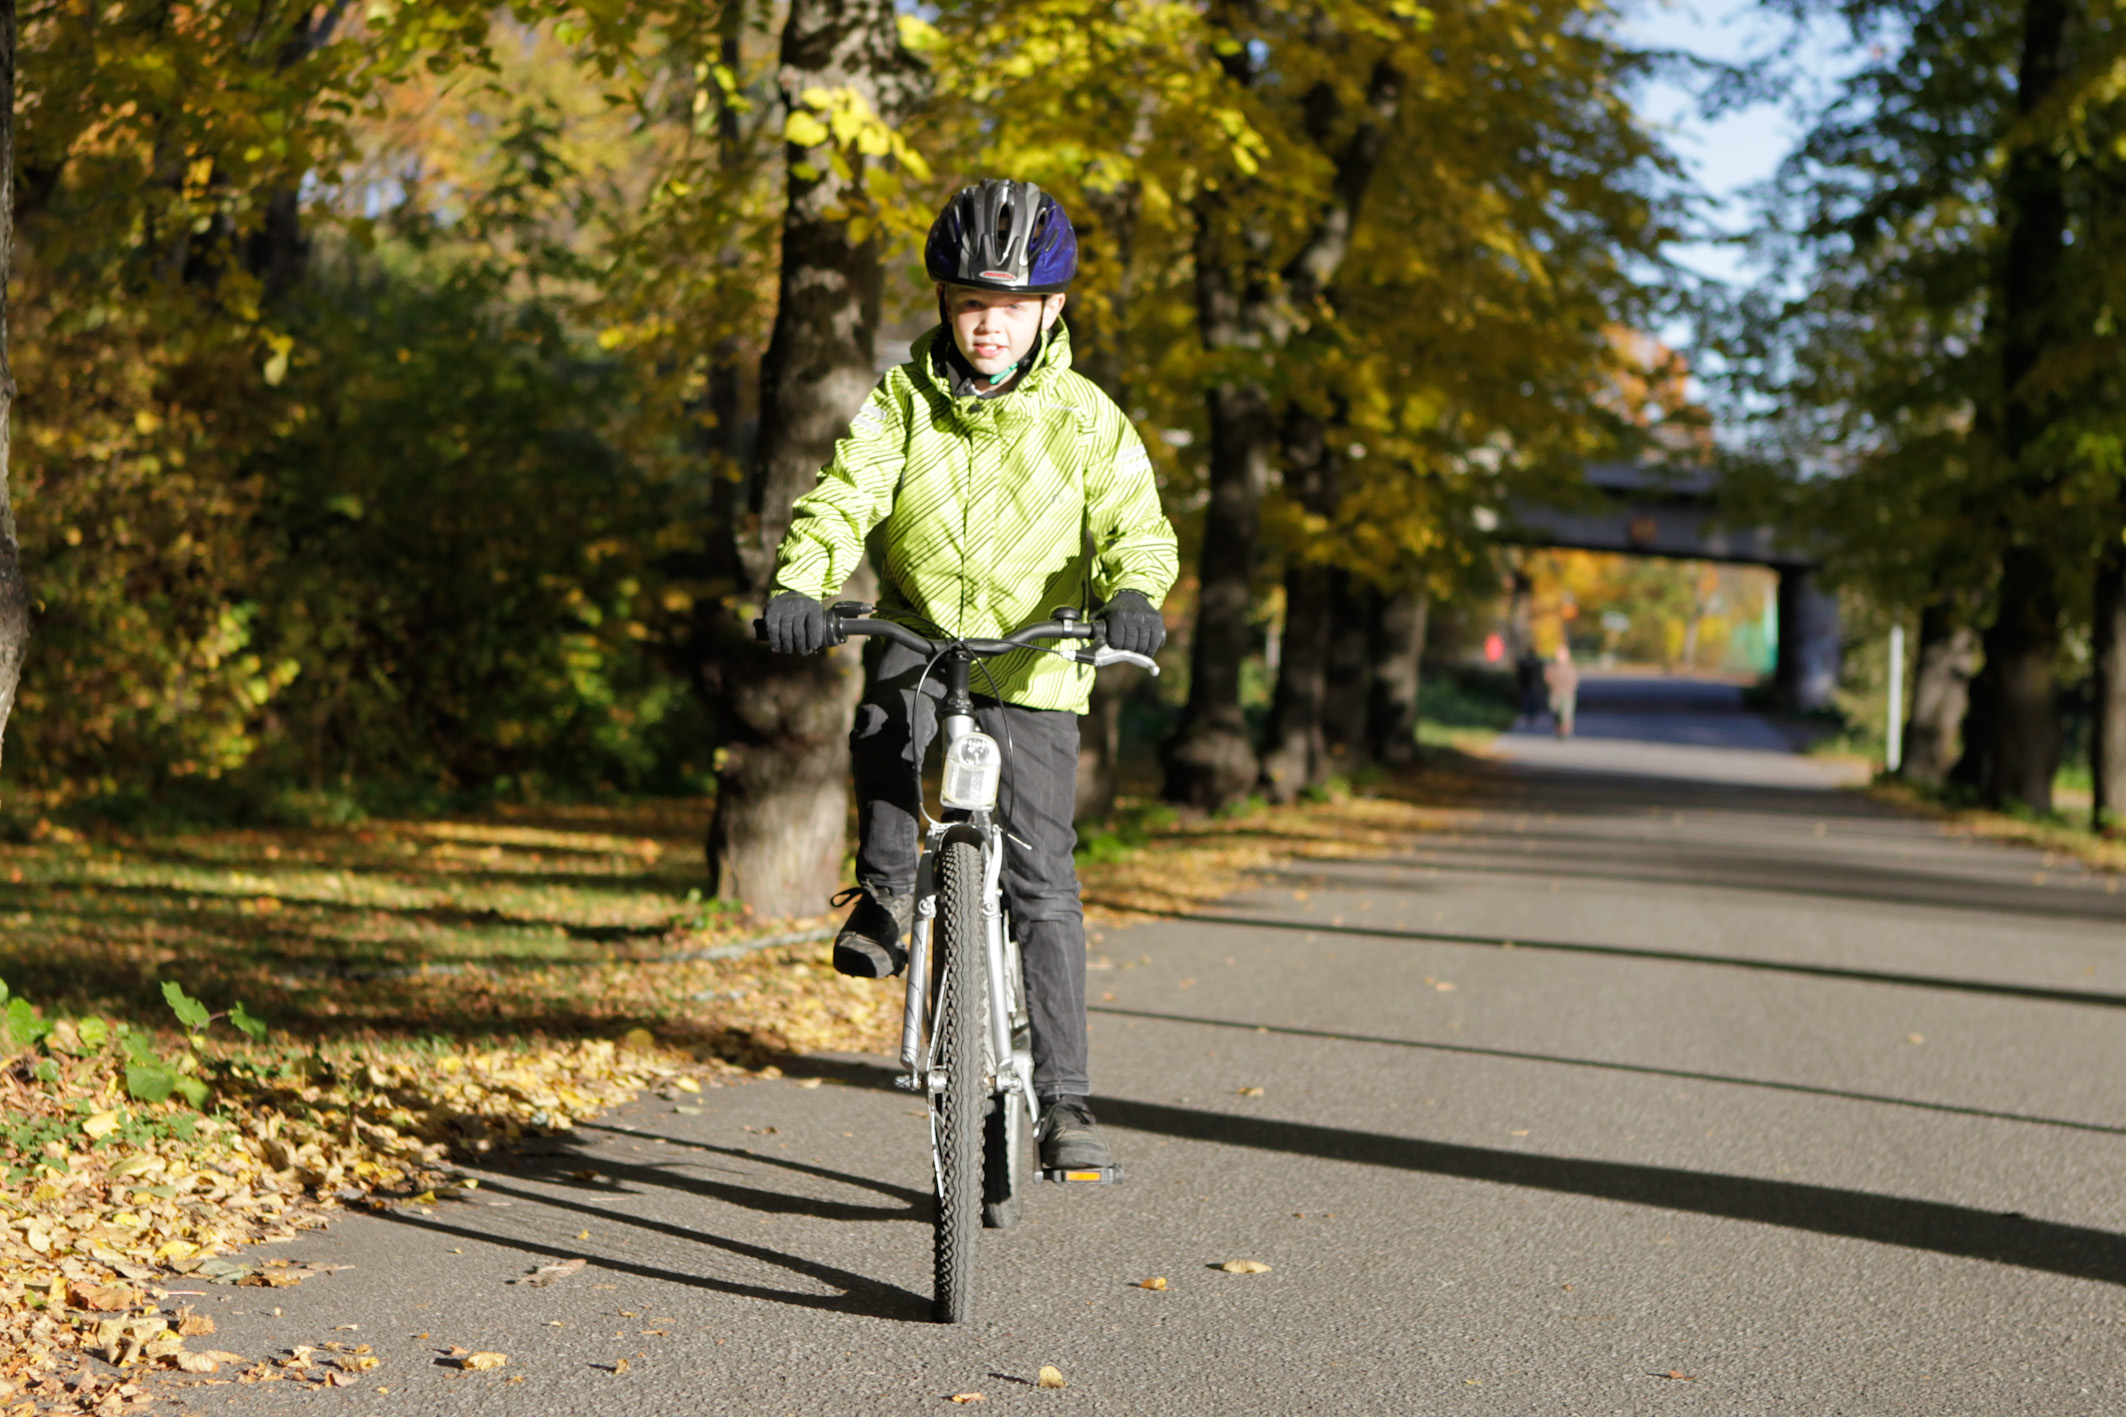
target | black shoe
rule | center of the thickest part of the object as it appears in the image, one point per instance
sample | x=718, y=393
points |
x=869, y=945
x=1070, y=1138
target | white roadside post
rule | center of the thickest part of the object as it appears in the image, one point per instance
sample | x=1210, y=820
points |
x=1893, y=752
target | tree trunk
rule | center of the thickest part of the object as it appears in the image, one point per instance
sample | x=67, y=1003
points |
x=1944, y=658
x=1350, y=675
x=1210, y=760
x=782, y=798
x=2017, y=703
x=1099, y=352
x=1398, y=651
x=1100, y=742
x=14, y=592
x=1297, y=750
x=2107, y=736
x=2011, y=739
x=1295, y=757
x=1244, y=314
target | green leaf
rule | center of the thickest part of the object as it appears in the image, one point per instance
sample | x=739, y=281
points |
x=46, y=1070
x=23, y=1027
x=248, y=1023
x=139, y=1048
x=192, y=1090
x=93, y=1032
x=151, y=1082
x=190, y=1012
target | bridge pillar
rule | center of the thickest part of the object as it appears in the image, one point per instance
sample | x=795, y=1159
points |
x=1809, y=647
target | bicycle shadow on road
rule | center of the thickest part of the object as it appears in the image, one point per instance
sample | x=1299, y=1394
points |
x=860, y=1294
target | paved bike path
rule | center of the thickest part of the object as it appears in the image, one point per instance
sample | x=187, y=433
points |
x=1809, y=1104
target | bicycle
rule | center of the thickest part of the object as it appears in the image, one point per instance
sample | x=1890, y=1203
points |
x=965, y=1039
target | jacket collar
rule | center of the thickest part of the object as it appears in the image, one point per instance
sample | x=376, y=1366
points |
x=931, y=358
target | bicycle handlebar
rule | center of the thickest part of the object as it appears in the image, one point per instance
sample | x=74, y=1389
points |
x=846, y=619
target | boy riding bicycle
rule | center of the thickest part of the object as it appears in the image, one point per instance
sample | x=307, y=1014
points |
x=986, y=465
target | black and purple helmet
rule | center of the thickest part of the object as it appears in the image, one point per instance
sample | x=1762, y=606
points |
x=1003, y=235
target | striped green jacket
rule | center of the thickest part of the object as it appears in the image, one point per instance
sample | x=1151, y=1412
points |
x=983, y=507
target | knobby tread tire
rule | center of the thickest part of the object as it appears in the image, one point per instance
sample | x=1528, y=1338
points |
x=959, y=1020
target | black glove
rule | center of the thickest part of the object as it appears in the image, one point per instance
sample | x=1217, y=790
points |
x=1133, y=625
x=796, y=624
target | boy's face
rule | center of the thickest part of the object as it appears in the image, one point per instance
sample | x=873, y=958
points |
x=995, y=329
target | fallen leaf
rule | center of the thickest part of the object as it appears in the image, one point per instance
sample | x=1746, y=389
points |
x=1245, y=1267
x=195, y=1363
x=1158, y=1282
x=966, y=1397
x=104, y=1298
x=811, y=1082
x=640, y=1038
x=1251, y=1092
x=583, y=1175
x=1678, y=1375
x=547, y=1273
x=583, y=1234
x=686, y=1084
x=619, y=1366
x=340, y=1379
x=480, y=1362
x=101, y=1125
x=1050, y=1377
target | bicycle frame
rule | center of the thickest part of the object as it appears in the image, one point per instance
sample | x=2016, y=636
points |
x=1011, y=1070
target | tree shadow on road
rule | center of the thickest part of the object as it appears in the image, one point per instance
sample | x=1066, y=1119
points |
x=2010, y=1238
x=1764, y=966
x=1640, y=1069
x=2071, y=1250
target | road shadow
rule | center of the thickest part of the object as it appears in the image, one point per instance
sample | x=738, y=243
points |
x=1602, y=1065
x=2009, y=1238
x=1841, y=973
x=860, y=1294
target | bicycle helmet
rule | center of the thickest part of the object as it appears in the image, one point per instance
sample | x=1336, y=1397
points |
x=1003, y=235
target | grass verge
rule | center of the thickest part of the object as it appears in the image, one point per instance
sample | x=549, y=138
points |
x=2050, y=834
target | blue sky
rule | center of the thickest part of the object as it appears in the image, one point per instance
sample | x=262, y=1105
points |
x=1741, y=148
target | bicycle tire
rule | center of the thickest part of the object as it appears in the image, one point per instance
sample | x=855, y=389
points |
x=958, y=1022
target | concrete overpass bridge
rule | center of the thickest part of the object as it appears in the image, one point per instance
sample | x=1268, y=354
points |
x=1650, y=510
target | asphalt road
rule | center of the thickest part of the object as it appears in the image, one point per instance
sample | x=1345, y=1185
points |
x=1778, y=1103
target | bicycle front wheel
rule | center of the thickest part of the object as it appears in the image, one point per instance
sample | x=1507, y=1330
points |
x=962, y=985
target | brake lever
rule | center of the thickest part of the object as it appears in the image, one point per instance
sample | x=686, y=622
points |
x=1104, y=655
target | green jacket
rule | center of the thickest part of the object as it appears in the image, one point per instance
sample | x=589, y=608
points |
x=983, y=508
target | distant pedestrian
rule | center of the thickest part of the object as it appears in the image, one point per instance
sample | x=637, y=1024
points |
x=1528, y=682
x=1564, y=683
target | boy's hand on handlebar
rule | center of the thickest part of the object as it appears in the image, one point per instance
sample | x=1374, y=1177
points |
x=1133, y=625
x=796, y=624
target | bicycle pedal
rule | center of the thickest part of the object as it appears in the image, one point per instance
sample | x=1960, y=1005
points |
x=1082, y=1175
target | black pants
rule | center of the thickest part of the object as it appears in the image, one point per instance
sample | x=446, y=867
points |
x=894, y=726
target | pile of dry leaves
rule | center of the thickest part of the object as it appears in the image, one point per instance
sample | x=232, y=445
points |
x=110, y=1202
